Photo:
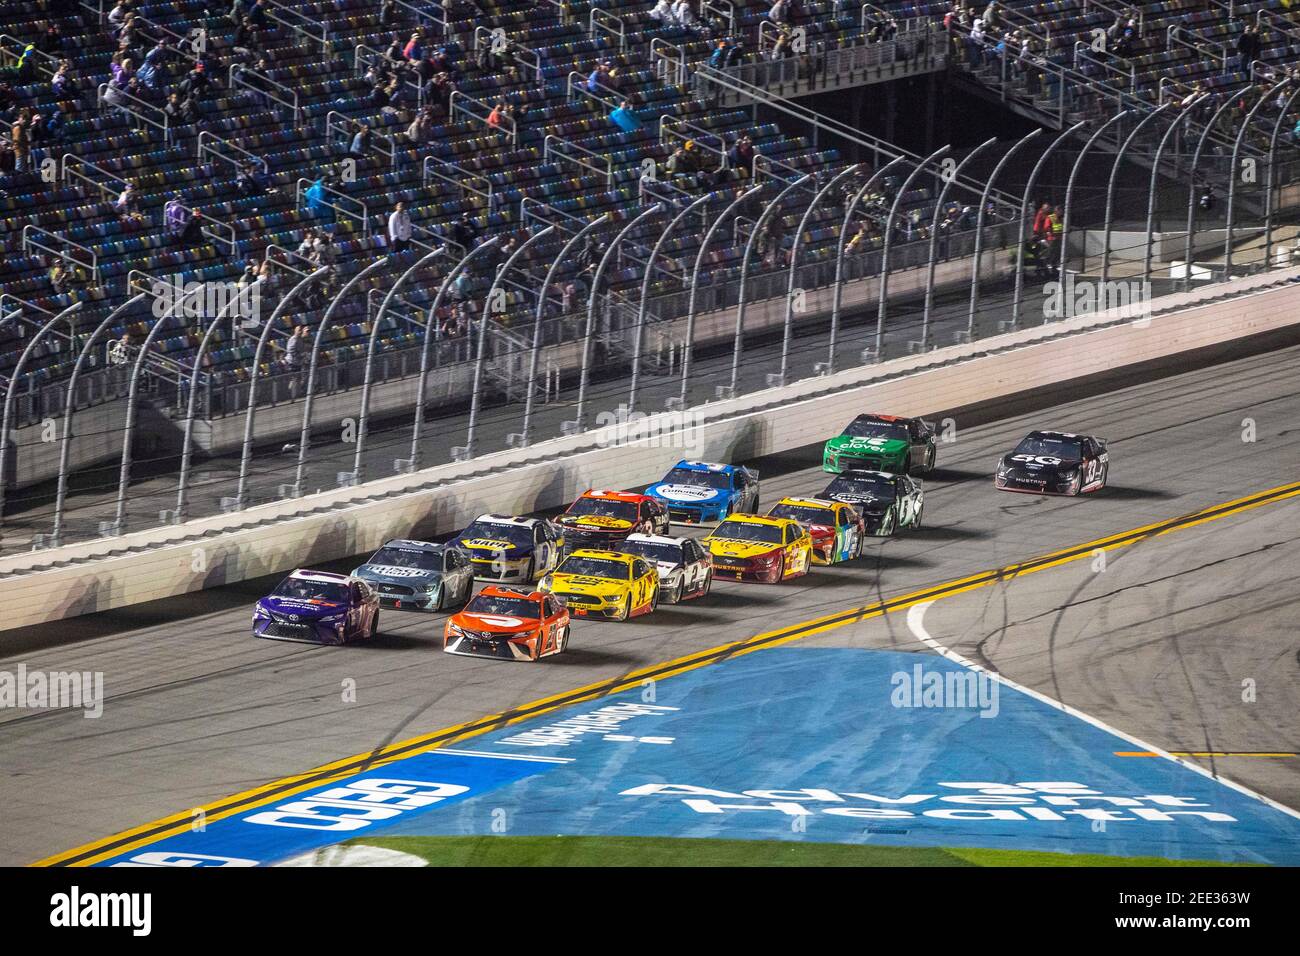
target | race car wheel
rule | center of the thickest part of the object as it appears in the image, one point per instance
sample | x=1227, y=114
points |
x=654, y=601
x=708, y=583
x=916, y=521
x=627, y=609
x=780, y=571
x=677, y=593
x=374, y=627
x=891, y=526
x=861, y=546
x=930, y=456
x=564, y=641
x=530, y=570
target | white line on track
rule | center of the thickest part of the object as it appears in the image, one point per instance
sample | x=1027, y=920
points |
x=915, y=618
x=531, y=758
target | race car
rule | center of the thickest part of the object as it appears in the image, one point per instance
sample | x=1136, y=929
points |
x=837, y=531
x=317, y=607
x=418, y=575
x=886, y=502
x=602, y=519
x=751, y=547
x=882, y=443
x=507, y=548
x=1054, y=463
x=696, y=492
x=685, y=568
x=512, y=624
x=606, y=584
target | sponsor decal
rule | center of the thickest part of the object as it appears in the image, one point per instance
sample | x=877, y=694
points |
x=489, y=543
x=499, y=621
x=391, y=571
x=686, y=492
x=599, y=721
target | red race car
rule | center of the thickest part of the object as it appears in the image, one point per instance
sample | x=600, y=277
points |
x=510, y=624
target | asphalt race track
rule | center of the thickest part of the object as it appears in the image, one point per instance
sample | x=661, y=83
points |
x=1161, y=642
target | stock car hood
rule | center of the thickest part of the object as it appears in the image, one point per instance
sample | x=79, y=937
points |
x=595, y=523
x=689, y=494
x=496, y=546
x=494, y=625
x=865, y=504
x=667, y=568
x=1037, y=467
x=820, y=532
x=387, y=574
x=305, y=610
x=730, y=548
x=582, y=584
x=885, y=447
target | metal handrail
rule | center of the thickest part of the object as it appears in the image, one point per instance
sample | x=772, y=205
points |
x=206, y=139
x=454, y=104
x=594, y=23
x=359, y=59
x=235, y=77
x=880, y=12
x=440, y=17
x=466, y=178
x=582, y=86
x=1121, y=10
x=1287, y=29
x=93, y=264
x=760, y=165
x=66, y=170
x=218, y=226
x=723, y=8
x=511, y=46
x=525, y=214
x=1084, y=51
x=304, y=27
x=365, y=209
x=1172, y=36
x=665, y=63
x=551, y=148
x=668, y=128
x=266, y=257
x=22, y=46
x=341, y=125
x=164, y=124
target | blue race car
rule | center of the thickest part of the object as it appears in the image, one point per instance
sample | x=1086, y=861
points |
x=696, y=492
x=316, y=607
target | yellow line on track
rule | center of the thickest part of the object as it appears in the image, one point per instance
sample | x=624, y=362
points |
x=98, y=850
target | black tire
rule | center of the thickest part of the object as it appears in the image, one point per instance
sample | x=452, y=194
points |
x=627, y=609
x=862, y=544
x=564, y=640
x=780, y=571
x=678, y=592
x=916, y=522
x=532, y=569
x=708, y=583
x=654, y=601
x=374, y=626
x=931, y=456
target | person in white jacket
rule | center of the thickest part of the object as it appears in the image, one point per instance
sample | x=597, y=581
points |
x=399, y=228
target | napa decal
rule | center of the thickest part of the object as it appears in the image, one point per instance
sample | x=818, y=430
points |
x=489, y=544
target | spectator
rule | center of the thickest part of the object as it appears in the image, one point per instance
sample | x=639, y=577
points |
x=317, y=201
x=388, y=13
x=625, y=118
x=399, y=228
x=359, y=148
x=1041, y=228
x=463, y=232
x=127, y=205
x=251, y=180
x=59, y=278
x=1248, y=47
x=741, y=155
x=421, y=129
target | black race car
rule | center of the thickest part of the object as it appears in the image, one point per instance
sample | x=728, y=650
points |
x=1054, y=463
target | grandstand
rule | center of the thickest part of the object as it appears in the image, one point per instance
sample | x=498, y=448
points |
x=265, y=144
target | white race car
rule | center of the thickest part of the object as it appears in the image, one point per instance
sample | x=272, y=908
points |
x=685, y=566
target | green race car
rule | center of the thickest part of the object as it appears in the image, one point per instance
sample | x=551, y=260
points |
x=882, y=443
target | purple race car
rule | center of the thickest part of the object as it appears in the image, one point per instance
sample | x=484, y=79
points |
x=317, y=607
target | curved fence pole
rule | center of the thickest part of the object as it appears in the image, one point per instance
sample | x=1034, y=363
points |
x=304, y=436
x=1191, y=188
x=882, y=305
x=1155, y=175
x=6, y=419
x=1069, y=188
x=1024, y=219
x=837, y=293
x=763, y=217
x=70, y=408
x=476, y=399
x=535, y=356
x=695, y=284
x=132, y=398
x=948, y=180
x=1268, y=196
x=1110, y=191
x=787, y=330
x=363, y=419
x=1232, y=178
x=421, y=388
x=979, y=230
x=246, y=450
x=638, y=341
x=182, y=486
x=585, y=373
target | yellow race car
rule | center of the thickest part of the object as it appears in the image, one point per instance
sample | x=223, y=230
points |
x=756, y=548
x=605, y=584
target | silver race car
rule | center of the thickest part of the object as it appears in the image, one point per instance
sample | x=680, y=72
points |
x=685, y=567
x=419, y=576
x=886, y=502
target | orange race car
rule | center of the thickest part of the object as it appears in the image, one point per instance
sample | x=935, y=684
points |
x=603, y=519
x=508, y=623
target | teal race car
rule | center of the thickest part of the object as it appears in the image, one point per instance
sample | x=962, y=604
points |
x=882, y=443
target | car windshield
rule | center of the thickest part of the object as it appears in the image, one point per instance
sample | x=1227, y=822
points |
x=654, y=550
x=511, y=606
x=870, y=428
x=688, y=476
x=748, y=531
x=604, y=507
x=408, y=558
x=805, y=514
x=595, y=567
x=304, y=590
x=1069, y=449
x=871, y=486
x=494, y=531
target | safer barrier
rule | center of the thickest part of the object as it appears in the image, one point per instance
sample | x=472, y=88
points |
x=165, y=562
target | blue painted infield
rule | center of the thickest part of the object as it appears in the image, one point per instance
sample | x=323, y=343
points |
x=826, y=744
